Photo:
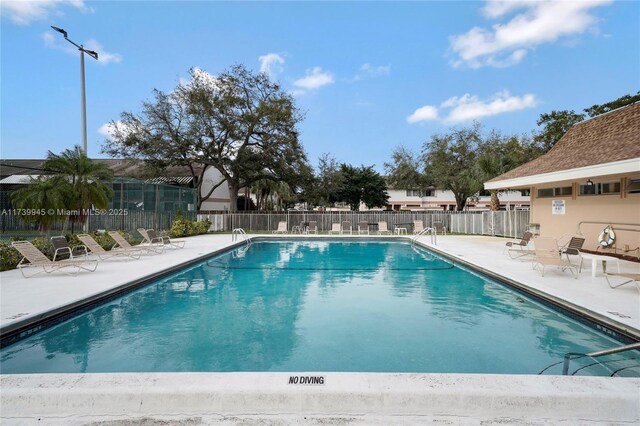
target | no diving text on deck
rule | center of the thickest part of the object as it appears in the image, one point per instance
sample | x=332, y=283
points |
x=306, y=380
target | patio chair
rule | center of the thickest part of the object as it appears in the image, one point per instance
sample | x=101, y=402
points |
x=382, y=228
x=524, y=242
x=418, y=226
x=548, y=254
x=628, y=279
x=122, y=243
x=335, y=228
x=151, y=238
x=440, y=228
x=313, y=227
x=103, y=254
x=363, y=227
x=282, y=228
x=62, y=250
x=346, y=227
x=34, y=258
x=573, y=247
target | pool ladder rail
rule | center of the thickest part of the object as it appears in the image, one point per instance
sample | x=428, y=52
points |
x=431, y=231
x=237, y=233
x=573, y=355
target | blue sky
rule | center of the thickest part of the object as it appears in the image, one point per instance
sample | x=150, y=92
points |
x=369, y=75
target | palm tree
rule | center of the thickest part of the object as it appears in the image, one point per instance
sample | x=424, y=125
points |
x=88, y=181
x=43, y=195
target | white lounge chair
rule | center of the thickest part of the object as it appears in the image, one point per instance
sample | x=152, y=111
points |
x=346, y=227
x=335, y=228
x=627, y=279
x=103, y=254
x=440, y=228
x=382, y=228
x=121, y=242
x=548, y=254
x=363, y=227
x=151, y=238
x=282, y=228
x=312, y=228
x=34, y=258
x=418, y=226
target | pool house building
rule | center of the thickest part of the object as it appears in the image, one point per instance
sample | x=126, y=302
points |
x=588, y=181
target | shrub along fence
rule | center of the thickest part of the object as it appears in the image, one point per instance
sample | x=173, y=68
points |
x=110, y=219
x=501, y=223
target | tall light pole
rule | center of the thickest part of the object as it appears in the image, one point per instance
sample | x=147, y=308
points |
x=94, y=55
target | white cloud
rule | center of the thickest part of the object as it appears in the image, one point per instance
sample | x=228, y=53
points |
x=537, y=22
x=314, y=79
x=23, y=12
x=425, y=113
x=271, y=64
x=104, y=57
x=107, y=129
x=368, y=70
x=468, y=108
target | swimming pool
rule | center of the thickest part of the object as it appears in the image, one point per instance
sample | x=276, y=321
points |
x=315, y=305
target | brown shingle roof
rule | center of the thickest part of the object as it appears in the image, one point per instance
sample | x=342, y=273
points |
x=609, y=137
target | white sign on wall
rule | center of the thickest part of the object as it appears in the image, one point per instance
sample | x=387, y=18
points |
x=557, y=207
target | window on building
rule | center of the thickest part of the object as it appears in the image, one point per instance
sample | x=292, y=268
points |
x=610, y=188
x=414, y=193
x=634, y=186
x=525, y=192
x=600, y=188
x=563, y=191
x=484, y=193
x=430, y=193
x=546, y=192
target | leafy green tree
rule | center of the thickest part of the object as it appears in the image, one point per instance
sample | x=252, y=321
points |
x=451, y=162
x=362, y=184
x=45, y=194
x=498, y=154
x=73, y=182
x=238, y=122
x=88, y=180
x=610, y=106
x=556, y=124
x=403, y=171
x=327, y=183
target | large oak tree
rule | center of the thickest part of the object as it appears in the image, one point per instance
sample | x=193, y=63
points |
x=242, y=124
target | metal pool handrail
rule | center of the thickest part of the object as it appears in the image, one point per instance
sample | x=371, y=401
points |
x=240, y=232
x=431, y=231
x=611, y=351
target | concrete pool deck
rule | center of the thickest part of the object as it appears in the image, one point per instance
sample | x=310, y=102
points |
x=231, y=398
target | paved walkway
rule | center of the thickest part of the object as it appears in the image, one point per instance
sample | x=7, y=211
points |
x=353, y=398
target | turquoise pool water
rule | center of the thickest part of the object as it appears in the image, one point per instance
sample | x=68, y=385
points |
x=312, y=306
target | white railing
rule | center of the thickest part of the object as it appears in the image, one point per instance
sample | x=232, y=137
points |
x=237, y=233
x=512, y=223
x=425, y=231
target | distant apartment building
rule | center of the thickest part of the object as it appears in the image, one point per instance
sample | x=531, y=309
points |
x=440, y=199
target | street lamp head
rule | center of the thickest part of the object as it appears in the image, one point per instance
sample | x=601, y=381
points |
x=60, y=30
x=91, y=53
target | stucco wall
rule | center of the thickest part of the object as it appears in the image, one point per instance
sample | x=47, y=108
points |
x=219, y=199
x=614, y=208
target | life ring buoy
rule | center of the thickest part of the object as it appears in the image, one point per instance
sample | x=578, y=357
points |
x=607, y=236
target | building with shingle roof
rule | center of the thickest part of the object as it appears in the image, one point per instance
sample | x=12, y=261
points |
x=589, y=179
